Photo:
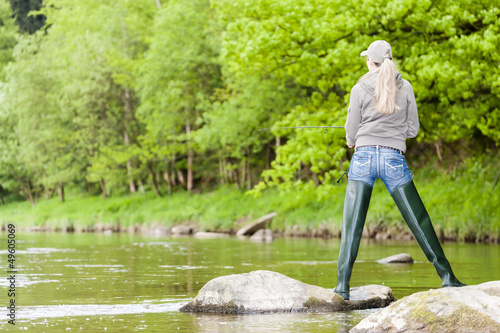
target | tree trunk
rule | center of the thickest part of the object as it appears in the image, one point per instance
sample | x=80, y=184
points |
x=438, y=151
x=26, y=188
x=158, y=4
x=221, y=172
x=190, y=171
x=103, y=188
x=225, y=171
x=268, y=157
x=172, y=179
x=242, y=174
x=37, y=195
x=181, y=178
x=128, y=110
x=314, y=176
x=166, y=176
x=60, y=191
x=172, y=172
x=30, y=195
x=189, y=185
x=49, y=193
x=249, y=173
x=153, y=181
x=30, y=198
x=141, y=186
x=235, y=178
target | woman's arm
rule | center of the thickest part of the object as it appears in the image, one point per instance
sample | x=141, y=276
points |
x=353, y=116
x=412, y=116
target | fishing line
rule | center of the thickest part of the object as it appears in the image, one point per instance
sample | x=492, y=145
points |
x=301, y=127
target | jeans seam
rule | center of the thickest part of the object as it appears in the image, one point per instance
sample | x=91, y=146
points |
x=378, y=169
x=378, y=163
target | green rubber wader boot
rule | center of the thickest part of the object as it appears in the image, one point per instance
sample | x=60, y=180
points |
x=357, y=200
x=416, y=217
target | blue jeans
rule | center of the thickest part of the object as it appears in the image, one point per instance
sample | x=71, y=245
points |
x=370, y=163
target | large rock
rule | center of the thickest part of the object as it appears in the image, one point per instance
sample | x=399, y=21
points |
x=271, y=292
x=465, y=309
x=258, y=224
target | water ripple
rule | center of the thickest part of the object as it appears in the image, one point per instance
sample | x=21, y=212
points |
x=54, y=311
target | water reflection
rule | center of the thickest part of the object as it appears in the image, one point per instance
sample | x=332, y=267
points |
x=302, y=322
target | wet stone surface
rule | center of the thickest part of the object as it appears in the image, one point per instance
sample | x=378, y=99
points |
x=271, y=292
x=401, y=258
x=465, y=309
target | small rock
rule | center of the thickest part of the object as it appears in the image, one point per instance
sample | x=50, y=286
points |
x=272, y=292
x=262, y=235
x=159, y=231
x=382, y=235
x=251, y=228
x=465, y=309
x=402, y=258
x=371, y=296
x=203, y=234
x=180, y=230
x=133, y=229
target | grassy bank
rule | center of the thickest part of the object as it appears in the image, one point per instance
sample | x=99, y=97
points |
x=463, y=204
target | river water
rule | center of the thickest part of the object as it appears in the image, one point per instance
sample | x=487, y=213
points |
x=133, y=283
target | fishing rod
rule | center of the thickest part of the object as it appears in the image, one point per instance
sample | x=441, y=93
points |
x=301, y=127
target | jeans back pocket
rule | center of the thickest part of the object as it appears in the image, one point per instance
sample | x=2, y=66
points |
x=361, y=165
x=394, y=167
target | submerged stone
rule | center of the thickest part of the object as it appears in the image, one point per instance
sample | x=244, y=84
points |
x=401, y=258
x=465, y=309
x=272, y=292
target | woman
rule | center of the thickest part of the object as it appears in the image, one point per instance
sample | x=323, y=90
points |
x=382, y=114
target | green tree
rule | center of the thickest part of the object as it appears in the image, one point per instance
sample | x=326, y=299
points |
x=117, y=94
x=100, y=43
x=8, y=36
x=71, y=90
x=44, y=133
x=12, y=174
x=178, y=76
x=445, y=48
x=296, y=44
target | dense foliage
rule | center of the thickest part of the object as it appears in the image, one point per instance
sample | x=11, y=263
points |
x=114, y=96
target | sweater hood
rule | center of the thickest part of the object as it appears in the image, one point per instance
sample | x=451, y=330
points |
x=369, y=81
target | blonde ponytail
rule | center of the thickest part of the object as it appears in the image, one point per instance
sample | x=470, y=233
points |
x=385, y=88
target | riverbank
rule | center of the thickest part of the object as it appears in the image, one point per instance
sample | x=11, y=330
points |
x=463, y=207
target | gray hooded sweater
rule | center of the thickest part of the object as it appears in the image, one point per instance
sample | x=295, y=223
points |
x=365, y=126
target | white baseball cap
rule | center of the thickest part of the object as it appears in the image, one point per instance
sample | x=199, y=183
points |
x=378, y=50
